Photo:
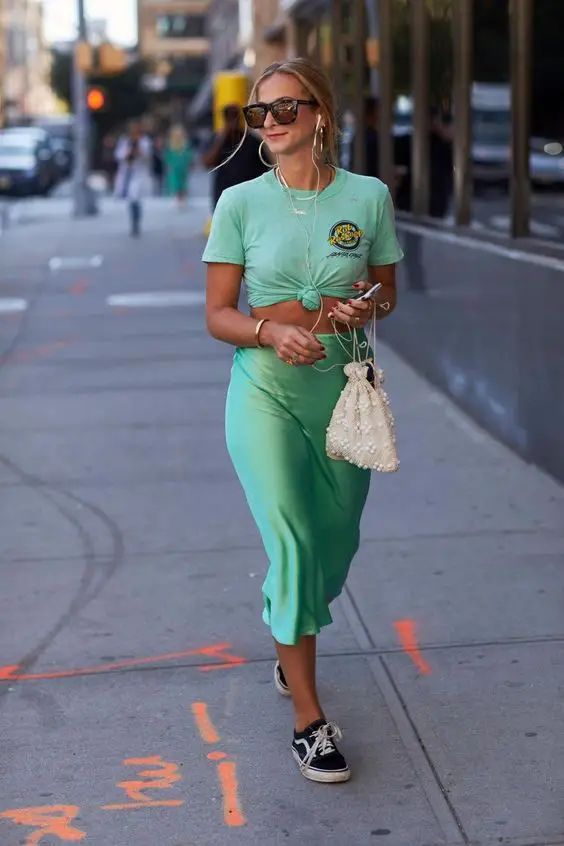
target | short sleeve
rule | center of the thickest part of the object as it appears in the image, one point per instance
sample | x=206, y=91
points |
x=225, y=242
x=385, y=248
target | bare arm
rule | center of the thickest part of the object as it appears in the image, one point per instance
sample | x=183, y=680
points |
x=226, y=323
x=223, y=318
x=384, y=273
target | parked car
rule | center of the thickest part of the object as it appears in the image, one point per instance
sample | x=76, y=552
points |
x=59, y=128
x=49, y=148
x=27, y=164
x=546, y=162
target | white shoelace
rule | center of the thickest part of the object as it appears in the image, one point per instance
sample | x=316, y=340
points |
x=323, y=742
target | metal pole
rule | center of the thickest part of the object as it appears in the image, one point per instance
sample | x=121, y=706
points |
x=521, y=18
x=372, y=31
x=420, y=76
x=336, y=50
x=385, y=86
x=358, y=70
x=84, y=200
x=462, y=49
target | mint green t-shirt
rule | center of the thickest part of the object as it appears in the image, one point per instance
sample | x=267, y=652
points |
x=255, y=225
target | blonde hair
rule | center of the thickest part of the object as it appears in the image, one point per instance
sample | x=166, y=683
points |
x=177, y=138
x=317, y=85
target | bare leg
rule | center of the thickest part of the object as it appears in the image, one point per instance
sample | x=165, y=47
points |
x=298, y=666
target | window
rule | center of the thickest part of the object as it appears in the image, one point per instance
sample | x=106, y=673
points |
x=181, y=26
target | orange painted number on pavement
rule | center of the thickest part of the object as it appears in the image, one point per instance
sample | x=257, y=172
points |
x=54, y=820
x=408, y=637
x=226, y=770
x=160, y=775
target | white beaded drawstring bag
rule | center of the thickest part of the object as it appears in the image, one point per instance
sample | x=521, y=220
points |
x=362, y=429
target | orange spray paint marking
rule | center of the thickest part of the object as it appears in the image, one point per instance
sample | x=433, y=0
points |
x=22, y=356
x=227, y=772
x=161, y=776
x=216, y=756
x=408, y=639
x=232, y=814
x=54, y=820
x=79, y=287
x=220, y=650
x=204, y=724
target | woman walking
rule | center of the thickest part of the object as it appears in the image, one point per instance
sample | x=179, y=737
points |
x=178, y=158
x=133, y=180
x=306, y=238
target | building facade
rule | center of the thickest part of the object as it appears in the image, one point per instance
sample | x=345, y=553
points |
x=24, y=62
x=174, y=43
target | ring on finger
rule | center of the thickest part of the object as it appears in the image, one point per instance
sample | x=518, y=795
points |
x=290, y=362
x=295, y=358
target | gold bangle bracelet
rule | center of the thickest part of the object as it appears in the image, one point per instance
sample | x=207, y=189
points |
x=257, y=330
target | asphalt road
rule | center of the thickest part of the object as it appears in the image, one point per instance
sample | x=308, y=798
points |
x=136, y=701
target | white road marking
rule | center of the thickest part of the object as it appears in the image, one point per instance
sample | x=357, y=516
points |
x=157, y=299
x=11, y=306
x=74, y=262
x=482, y=246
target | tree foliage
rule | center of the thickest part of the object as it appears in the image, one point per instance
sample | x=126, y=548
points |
x=125, y=95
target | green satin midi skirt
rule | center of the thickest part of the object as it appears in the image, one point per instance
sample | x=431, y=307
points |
x=306, y=505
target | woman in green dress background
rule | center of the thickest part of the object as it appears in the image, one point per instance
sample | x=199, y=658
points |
x=178, y=159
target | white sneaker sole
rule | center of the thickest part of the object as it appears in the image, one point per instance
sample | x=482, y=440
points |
x=321, y=775
x=282, y=690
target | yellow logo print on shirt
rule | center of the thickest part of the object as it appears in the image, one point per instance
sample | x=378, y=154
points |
x=345, y=235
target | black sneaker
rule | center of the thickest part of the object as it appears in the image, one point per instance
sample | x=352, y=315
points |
x=279, y=680
x=317, y=756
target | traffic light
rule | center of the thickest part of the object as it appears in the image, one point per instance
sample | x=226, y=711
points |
x=104, y=60
x=84, y=56
x=97, y=99
x=111, y=60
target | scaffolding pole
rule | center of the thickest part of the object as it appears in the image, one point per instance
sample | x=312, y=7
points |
x=521, y=19
x=420, y=86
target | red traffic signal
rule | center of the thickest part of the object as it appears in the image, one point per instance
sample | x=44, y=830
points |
x=96, y=99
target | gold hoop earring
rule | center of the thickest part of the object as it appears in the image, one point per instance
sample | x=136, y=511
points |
x=265, y=163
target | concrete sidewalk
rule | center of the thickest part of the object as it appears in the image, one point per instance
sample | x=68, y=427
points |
x=138, y=704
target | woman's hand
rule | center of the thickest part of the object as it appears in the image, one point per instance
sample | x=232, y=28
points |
x=293, y=344
x=354, y=313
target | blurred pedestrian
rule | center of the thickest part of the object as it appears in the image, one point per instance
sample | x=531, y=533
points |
x=246, y=163
x=133, y=180
x=108, y=160
x=371, y=108
x=177, y=159
x=440, y=166
x=158, y=164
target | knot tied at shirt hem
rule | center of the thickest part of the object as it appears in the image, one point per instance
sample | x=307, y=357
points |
x=310, y=298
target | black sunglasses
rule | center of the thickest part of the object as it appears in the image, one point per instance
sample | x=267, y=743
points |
x=284, y=111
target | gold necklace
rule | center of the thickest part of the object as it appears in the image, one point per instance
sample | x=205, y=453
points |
x=282, y=180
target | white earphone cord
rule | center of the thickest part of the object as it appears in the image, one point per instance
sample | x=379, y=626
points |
x=309, y=237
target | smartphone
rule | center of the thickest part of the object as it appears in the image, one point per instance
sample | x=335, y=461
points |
x=368, y=294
